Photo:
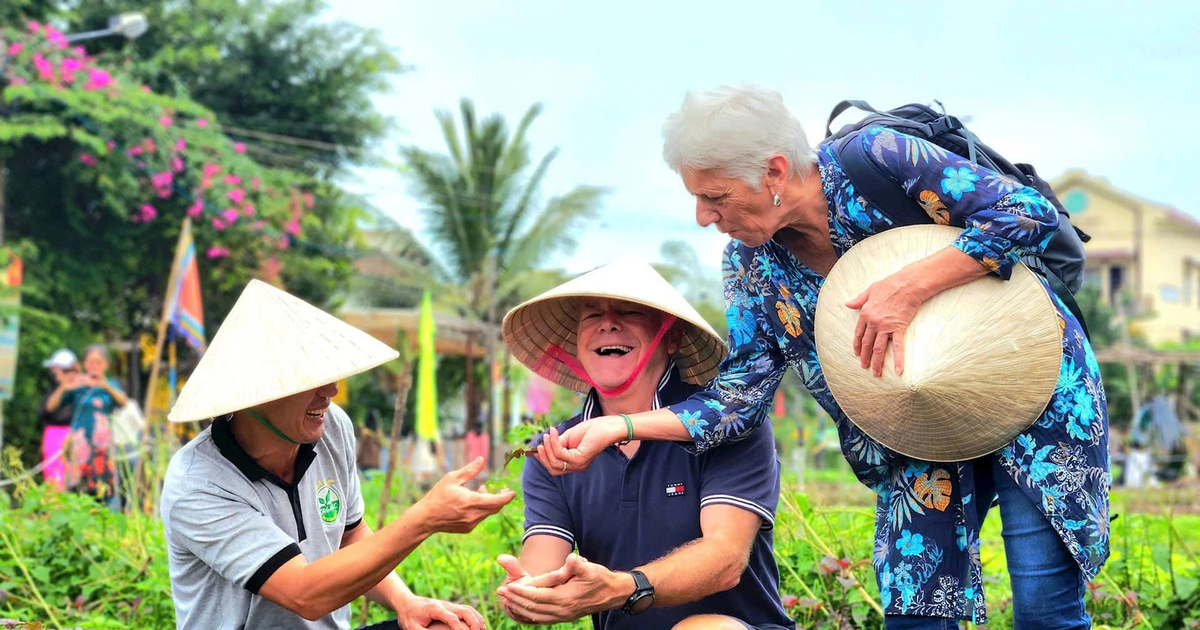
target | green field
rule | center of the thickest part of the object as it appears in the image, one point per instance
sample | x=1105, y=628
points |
x=66, y=563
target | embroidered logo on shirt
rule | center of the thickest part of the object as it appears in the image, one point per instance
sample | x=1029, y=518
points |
x=329, y=501
x=674, y=489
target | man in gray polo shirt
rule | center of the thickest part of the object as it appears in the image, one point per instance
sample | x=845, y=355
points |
x=262, y=511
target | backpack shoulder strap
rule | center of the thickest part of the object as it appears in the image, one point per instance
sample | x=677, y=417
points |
x=843, y=106
x=875, y=185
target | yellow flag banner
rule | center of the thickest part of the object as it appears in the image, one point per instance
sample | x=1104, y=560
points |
x=426, y=373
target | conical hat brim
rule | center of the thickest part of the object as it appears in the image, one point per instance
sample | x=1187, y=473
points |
x=270, y=346
x=981, y=360
x=552, y=318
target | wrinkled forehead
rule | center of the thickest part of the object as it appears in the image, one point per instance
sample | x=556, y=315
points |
x=698, y=182
x=589, y=305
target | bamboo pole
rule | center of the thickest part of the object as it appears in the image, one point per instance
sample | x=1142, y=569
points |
x=163, y=322
x=403, y=384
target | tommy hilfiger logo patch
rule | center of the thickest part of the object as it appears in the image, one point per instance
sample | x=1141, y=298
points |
x=674, y=489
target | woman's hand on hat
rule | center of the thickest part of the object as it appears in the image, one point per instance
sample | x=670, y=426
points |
x=888, y=306
x=574, y=450
x=451, y=507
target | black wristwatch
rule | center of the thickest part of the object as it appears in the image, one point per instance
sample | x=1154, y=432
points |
x=643, y=595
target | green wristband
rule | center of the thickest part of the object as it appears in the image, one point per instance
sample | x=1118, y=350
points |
x=628, y=425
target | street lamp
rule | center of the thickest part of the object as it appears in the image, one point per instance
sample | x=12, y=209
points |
x=127, y=25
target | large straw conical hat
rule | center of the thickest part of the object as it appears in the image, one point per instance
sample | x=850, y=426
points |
x=273, y=345
x=981, y=360
x=551, y=319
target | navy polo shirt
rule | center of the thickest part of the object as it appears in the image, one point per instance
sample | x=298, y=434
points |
x=624, y=513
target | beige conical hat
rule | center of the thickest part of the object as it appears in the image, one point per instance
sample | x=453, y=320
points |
x=551, y=319
x=981, y=360
x=273, y=345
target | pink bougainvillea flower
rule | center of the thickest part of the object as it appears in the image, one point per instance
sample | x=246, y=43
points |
x=166, y=121
x=34, y=27
x=97, y=80
x=218, y=224
x=177, y=164
x=135, y=150
x=181, y=145
x=45, y=70
x=17, y=81
x=239, y=147
x=233, y=180
x=54, y=36
x=69, y=67
x=309, y=200
x=202, y=123
x=87, y=159
x=145, y=214
x=15, y=49
x=195, y=210
x=162, y=180
x=270, y=269
x=293, y=227
x=217, y=252
x=283, y=243
x=145, y=89
x=211, y=169
x=248, y=209
x=254, y=183
x=237, y=195
x=79, y=51
x=230, y=215
x=110, y=145
x=149, y=145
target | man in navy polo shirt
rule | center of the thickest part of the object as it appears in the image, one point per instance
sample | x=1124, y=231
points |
x=671, y=540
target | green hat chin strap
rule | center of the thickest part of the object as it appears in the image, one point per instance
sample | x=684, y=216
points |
x=267, y=423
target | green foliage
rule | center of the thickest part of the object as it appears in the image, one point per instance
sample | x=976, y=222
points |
x=99, y=570
x=16, y=12
x=279, y=67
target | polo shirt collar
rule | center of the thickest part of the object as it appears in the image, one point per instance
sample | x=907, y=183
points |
x=669, y=382
x=222, y=433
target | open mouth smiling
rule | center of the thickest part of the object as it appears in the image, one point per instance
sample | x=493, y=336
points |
x=316, y=414
x=614, y=351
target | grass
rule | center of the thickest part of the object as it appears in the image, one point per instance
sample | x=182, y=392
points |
x=64, y=561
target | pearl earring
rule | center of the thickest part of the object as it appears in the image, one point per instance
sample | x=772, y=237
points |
x=776, y=201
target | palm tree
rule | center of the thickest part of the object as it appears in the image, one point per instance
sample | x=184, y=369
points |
x=481, y=206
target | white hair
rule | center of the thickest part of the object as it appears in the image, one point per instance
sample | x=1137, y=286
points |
x=734, y=131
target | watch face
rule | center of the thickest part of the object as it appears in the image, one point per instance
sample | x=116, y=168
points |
x=642, y=604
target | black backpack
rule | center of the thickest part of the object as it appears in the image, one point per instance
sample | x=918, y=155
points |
x=1061, y=263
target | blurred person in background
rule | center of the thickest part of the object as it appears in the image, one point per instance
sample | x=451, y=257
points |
x=54, y=416
x=90, y=468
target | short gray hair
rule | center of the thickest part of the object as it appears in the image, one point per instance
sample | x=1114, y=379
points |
x=735, y=130
x=98, y=348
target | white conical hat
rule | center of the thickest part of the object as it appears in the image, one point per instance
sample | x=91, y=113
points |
x=981, y=360
x=273, y=345
x=551, y=319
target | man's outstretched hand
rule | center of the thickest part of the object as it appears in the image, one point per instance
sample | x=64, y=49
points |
x=451, y=507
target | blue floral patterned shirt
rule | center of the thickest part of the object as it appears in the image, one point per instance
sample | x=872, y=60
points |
x=927, y=531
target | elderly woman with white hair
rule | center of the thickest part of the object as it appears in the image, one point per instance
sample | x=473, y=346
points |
x=791, y=212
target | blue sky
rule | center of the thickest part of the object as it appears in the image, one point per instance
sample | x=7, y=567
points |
x=1109, y=87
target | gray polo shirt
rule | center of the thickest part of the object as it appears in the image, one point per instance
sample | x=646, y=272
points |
x=230, y=524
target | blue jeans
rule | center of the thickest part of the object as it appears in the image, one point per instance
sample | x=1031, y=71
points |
x=1047, y=585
